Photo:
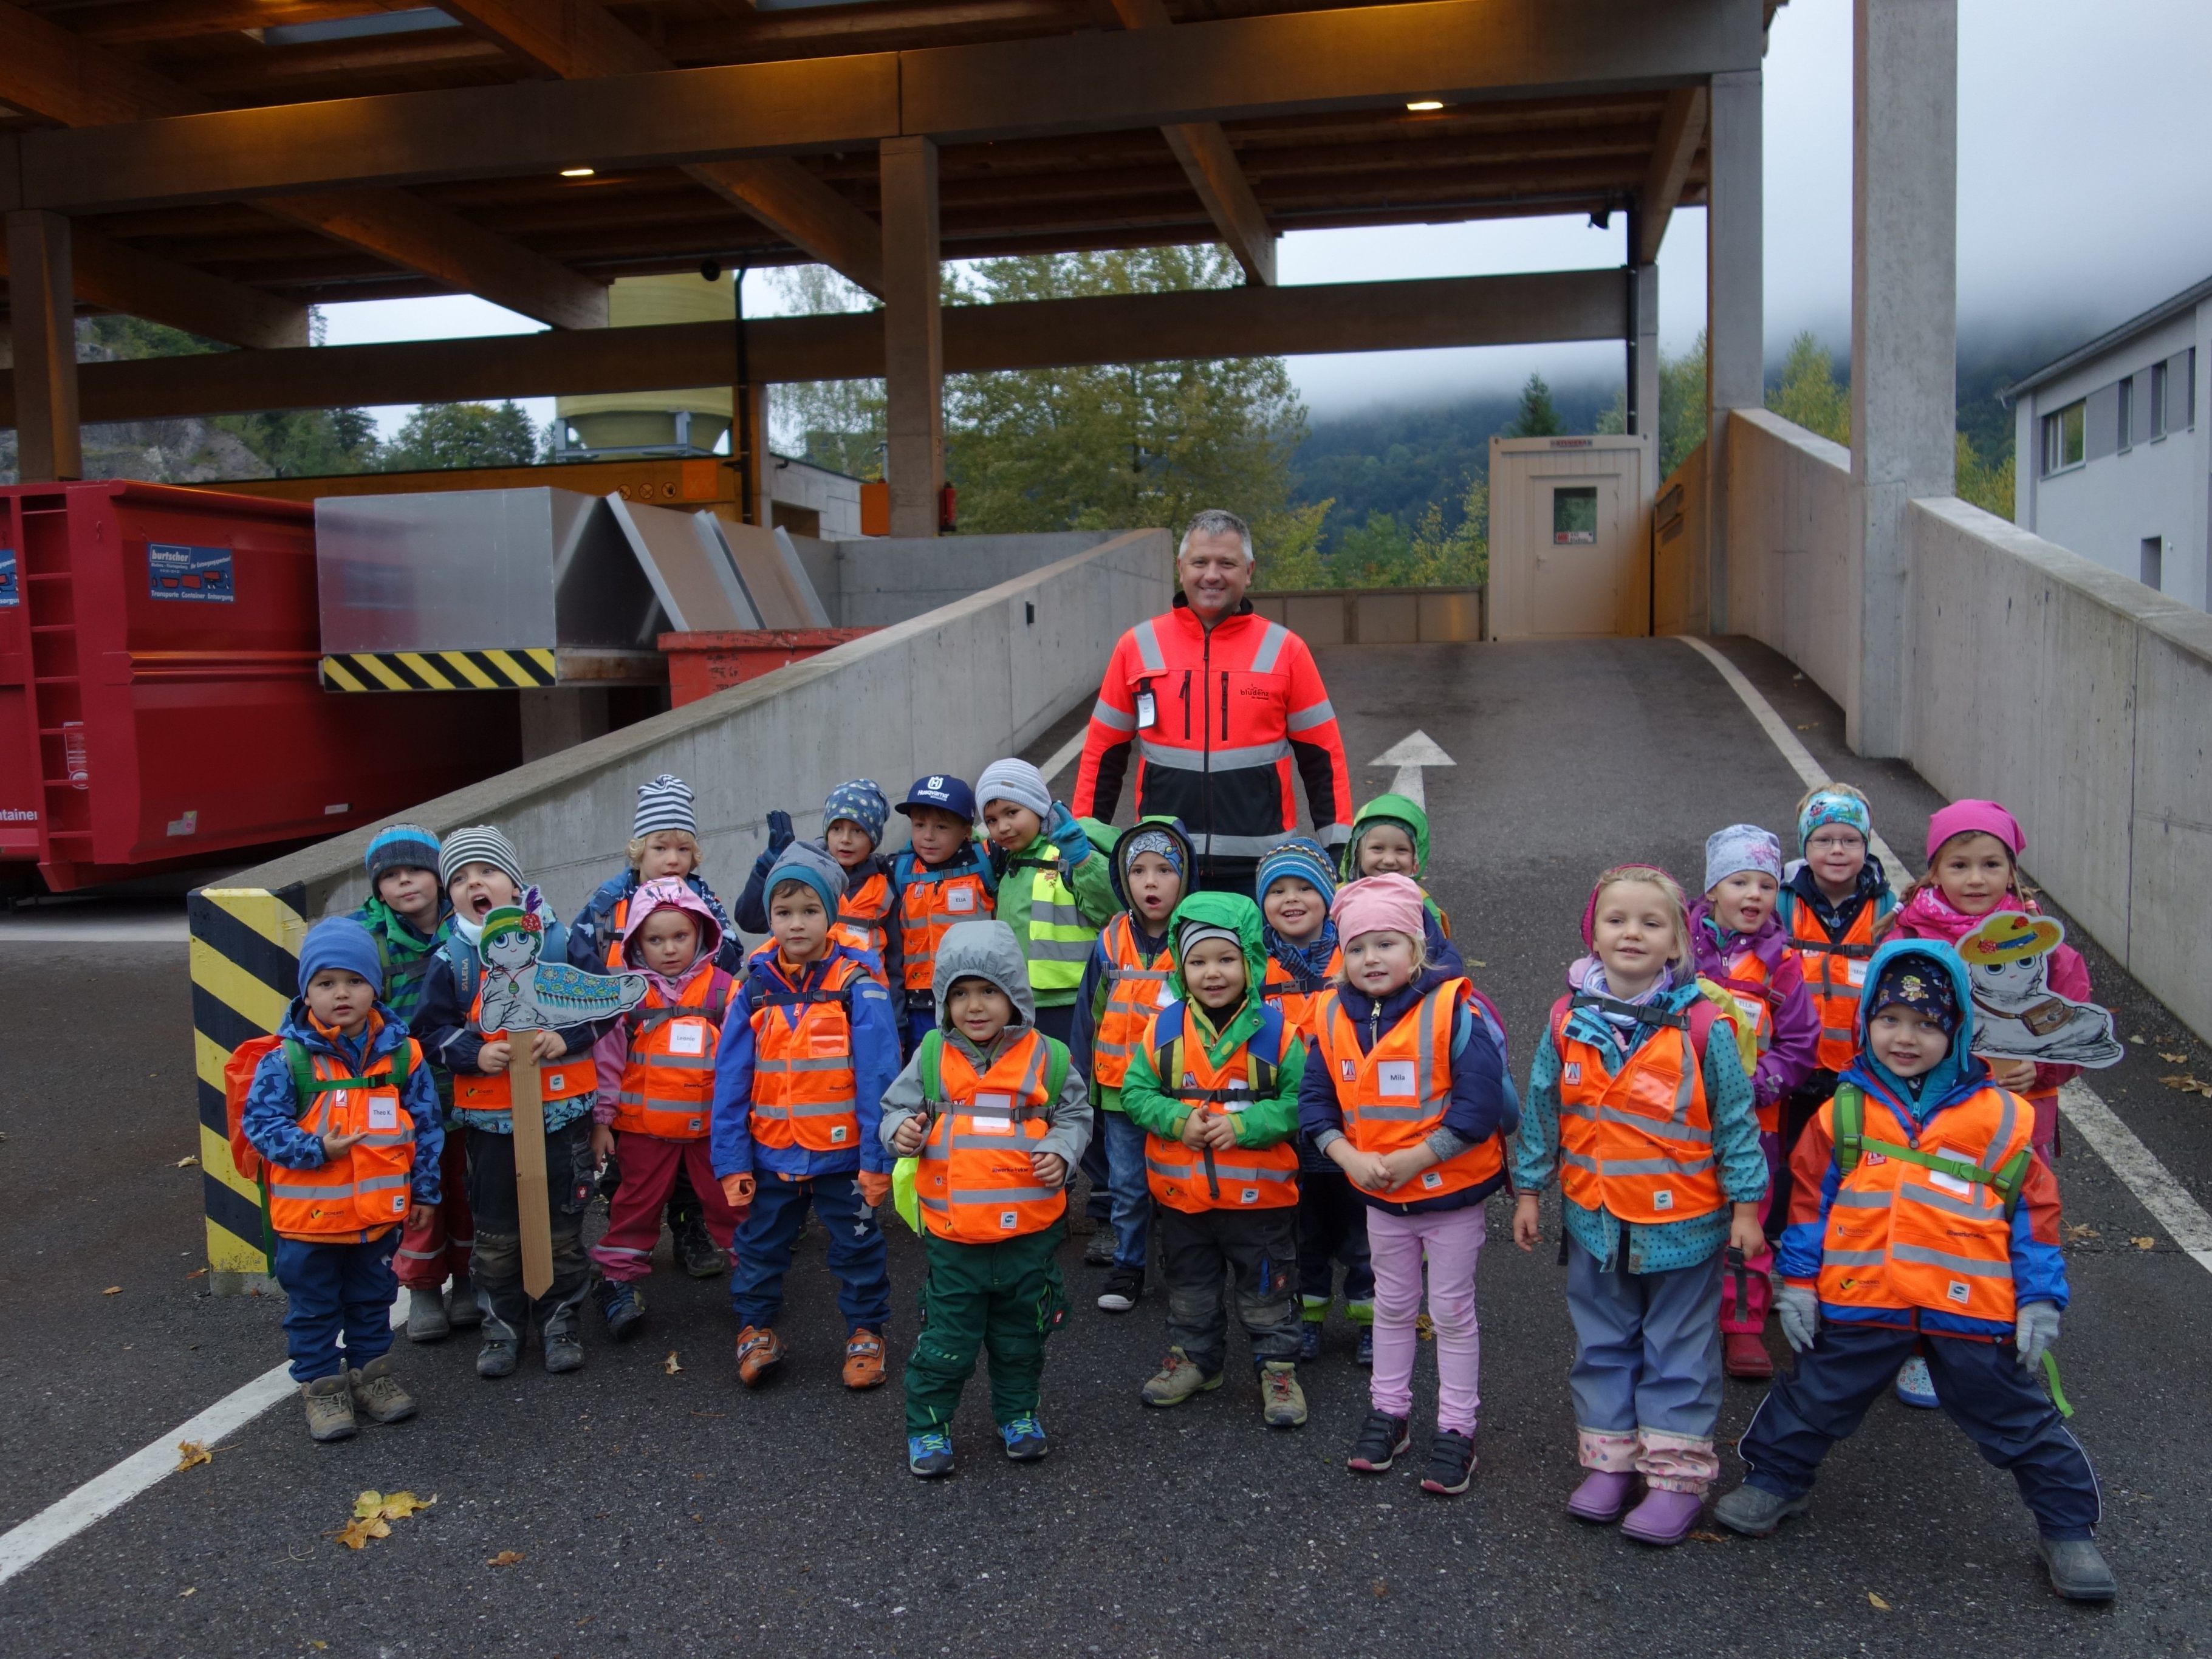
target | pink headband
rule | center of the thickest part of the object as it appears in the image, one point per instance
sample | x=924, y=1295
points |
x=1986, y=817
x=1379, y=904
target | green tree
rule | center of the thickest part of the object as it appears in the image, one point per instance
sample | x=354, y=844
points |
x=1990, y=488
x=1537, y=418
x=441, y=437
x=838, y=424
x=1681, y=406
x=1809, y=394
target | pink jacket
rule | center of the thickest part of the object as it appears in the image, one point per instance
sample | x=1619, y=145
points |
x=1930, y=915
x=610, y=1053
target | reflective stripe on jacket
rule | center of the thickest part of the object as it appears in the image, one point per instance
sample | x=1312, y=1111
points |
x=1059, y=942
x=1835, y=974
x=668, y=1080
x=1297, y=998
x=1636, y=1143
x=973, y=1182
x=366, y=1189
x=932, y=901
x=1134, y=996
x=860, y=915
x=805, y=1090
x=1236, y=1178
x=1395, y=1095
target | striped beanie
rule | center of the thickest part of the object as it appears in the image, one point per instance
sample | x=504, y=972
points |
x=400, y=847
x=480, y=843
x=665, y=804
x=861, y=801
x=1305, y=860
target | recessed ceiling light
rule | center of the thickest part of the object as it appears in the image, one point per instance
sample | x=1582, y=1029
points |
x=1425, y=104
x=578, y=172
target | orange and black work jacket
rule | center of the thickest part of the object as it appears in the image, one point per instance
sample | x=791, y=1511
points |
x=668, y=1076
x=1133, y=995
x=1248, y=1085
x=1214, y=721
x=974, y=1180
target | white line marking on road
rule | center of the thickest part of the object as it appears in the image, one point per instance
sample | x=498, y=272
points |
x=1060, y=756
x=1409, y=755
x=2171, y=1204
x=23, y=1544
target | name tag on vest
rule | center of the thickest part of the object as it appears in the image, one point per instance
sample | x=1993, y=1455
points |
x=1854, y=971
x=1148, y=710
x=383, y=1112
x=687, y=1037
x=960, y=898
x=992, y=1115
x=1949, y=1183
x=1395, y=1077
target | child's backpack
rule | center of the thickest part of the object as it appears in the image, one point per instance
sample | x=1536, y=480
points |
x=238, y=1081
x=904, y=1199
x=1849, y=1122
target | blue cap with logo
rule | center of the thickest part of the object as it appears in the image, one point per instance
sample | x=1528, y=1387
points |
x=947, y=794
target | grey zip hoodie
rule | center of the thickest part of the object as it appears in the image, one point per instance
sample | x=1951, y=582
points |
x=988, y=950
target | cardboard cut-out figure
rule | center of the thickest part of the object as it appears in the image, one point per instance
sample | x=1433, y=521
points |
x=2017, y=1016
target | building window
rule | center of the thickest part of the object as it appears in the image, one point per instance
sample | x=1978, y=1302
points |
x=2063, y=433
x=2158, y=382
x=2127, y=413
x=2153, y=563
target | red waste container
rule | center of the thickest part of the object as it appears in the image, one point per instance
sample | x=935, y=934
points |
x=700, y=665
x=159, y=699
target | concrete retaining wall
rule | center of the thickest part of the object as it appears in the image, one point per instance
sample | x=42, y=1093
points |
x=949, y=691
x=883, y=579
x=1792, y=567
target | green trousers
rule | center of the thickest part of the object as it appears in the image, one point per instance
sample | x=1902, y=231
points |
x=1005, y=1298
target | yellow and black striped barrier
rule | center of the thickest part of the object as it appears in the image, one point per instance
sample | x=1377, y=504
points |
x=246, y=961
x=439, y=670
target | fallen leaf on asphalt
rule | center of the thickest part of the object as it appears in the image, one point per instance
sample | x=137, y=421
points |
x=2171, y=1060
x=1710, y=1537
x=1808, y=725
x=399, y=1505
x=191, y=1454
x=669, y=1364
x=1423, y=1328
x=2188, y=1085
x=113, y=1290
x=1380, y=1587
x=366, y=1505
x=1879, y=1603
x=189, y=1589
x=1472, y=962
x=357, y=1533
x=188, y=1162
x=504, y=1559
x=313, y=1643
x=2078, y=1231
x=2144, y=1243
x=197, y=1273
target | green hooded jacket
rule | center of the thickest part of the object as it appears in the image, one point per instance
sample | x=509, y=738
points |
x=1396, y=809
x=1092, y=882
x=1270, y=1119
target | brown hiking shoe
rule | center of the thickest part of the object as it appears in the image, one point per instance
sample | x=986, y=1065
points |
x=864, y=1360
x=759, y=1352
x=330, y=1408
x=377, y=1395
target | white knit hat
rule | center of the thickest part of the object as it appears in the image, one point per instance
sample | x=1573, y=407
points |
x=665, y=804
x=480, y=843
x=1016, y=780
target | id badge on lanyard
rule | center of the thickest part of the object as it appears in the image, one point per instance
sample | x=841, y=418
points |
x=1148, y=709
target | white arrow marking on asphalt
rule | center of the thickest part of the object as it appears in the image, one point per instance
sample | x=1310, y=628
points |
x=1409, y=756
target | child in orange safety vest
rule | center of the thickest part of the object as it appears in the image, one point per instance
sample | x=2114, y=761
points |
x=995, y=1117
x=656, y=1077
x=1638, y=1100
x=1924, y=1215
x=1405, y=1090
x=343, y=1112
x=867, y=920
x=1213, y=1086
x=940, y=881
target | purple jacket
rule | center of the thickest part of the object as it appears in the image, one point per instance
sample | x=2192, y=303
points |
x=1792, y=1055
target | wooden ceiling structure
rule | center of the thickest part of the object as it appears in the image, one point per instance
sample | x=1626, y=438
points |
x=224, y=165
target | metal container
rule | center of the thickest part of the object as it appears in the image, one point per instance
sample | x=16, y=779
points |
x=159, y=702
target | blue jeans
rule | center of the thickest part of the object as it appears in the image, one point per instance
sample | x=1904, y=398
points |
x=1120, y=1146
x=2002, y=1408
x=1648, y=1346
x=769, y=1232
x=335, y=1290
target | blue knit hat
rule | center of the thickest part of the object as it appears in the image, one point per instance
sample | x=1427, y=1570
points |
x=808, y=861
x=947, y=793
x=340, y=942
x=400, y=847
x=1306, y=860
x=861, y=801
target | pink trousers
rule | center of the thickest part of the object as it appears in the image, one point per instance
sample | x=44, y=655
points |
x=648, y=1174
x=1449, y=1239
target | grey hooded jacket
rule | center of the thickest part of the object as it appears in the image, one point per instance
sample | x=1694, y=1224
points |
x=988, y=950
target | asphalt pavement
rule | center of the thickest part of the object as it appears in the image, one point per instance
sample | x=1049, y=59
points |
x=646, y=1505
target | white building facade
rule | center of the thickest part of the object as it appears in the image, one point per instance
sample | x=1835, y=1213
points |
x=2112, y=452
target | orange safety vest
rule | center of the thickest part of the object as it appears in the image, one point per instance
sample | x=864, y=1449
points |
x=1835, y=974
x=928, y=905
x=561, y=1079
x=1638, y=1143
x=1133, y=997
x=617, y=919
x=668, y=1081
x=1396, y=1093
x=364, y=1191
x=1296, y=998
x=1935, y=1234
x=973, y=1179
x=860, y=915
x=1241, y=1178
x=1748, y=981
x=805, y=1092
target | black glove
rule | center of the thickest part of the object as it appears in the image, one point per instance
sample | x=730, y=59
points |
x=780, y=834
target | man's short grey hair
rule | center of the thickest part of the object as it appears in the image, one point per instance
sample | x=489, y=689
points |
x=1216, y=521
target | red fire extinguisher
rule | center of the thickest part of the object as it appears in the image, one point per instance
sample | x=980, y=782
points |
x=948, y=510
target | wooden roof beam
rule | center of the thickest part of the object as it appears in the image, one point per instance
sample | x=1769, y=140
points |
x=113, y=277
x=578, y=39
x=1682, y=132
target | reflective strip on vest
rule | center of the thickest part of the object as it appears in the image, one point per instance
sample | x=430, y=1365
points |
x=1148, y=647
x=976, y=1186
x=1828, y=967
x=1132, y=999
x=1058, y=947
x=1617, y=1158
x=1217, y=760
x=803, y=1097
x=1373, y=1126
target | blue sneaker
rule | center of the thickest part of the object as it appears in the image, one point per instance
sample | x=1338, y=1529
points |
x=1915, y=1386
x=1024, y=1438
x=1309, y=1341
x=929, y=1455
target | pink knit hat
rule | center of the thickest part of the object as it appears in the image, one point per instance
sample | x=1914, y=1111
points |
x=1379, y=904
x=1986, y=817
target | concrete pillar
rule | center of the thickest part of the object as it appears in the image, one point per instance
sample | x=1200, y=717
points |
x=42, y=315
x=1905, y=326
x=913, y=339
x=1735, y=314
x=1643, y=355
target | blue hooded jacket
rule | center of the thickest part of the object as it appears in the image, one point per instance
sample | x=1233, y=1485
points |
x=875, y=1068
x=2038, y=1265
x=273, y=1108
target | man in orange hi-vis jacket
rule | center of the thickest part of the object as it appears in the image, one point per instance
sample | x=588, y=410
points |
x=1216, y=703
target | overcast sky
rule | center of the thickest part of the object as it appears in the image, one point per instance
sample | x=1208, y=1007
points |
x=2083, y=180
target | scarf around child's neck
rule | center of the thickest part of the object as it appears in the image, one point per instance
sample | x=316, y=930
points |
x=1308, y=962
x=1933, y=915
x=1594, y=985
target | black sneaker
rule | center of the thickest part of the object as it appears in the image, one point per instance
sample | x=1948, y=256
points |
x=1122, y=1288
x=1382, y=1438
x=694, y=1248
x=1451, y=1464
x=623, y=1305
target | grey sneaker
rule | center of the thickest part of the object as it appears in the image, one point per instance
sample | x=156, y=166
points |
x=462, y=1310
x=1177, y=1380
x=1756, y=1512
x=426, y=1316
x=564, y=1344
x=497, y=1358
x=2077, y=1569
x=330, y=1408
x=1099, y=1252
x=377, y=1395
x=1282, y=1401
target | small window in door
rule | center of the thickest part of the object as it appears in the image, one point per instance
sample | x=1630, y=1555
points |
x=1574, y=516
